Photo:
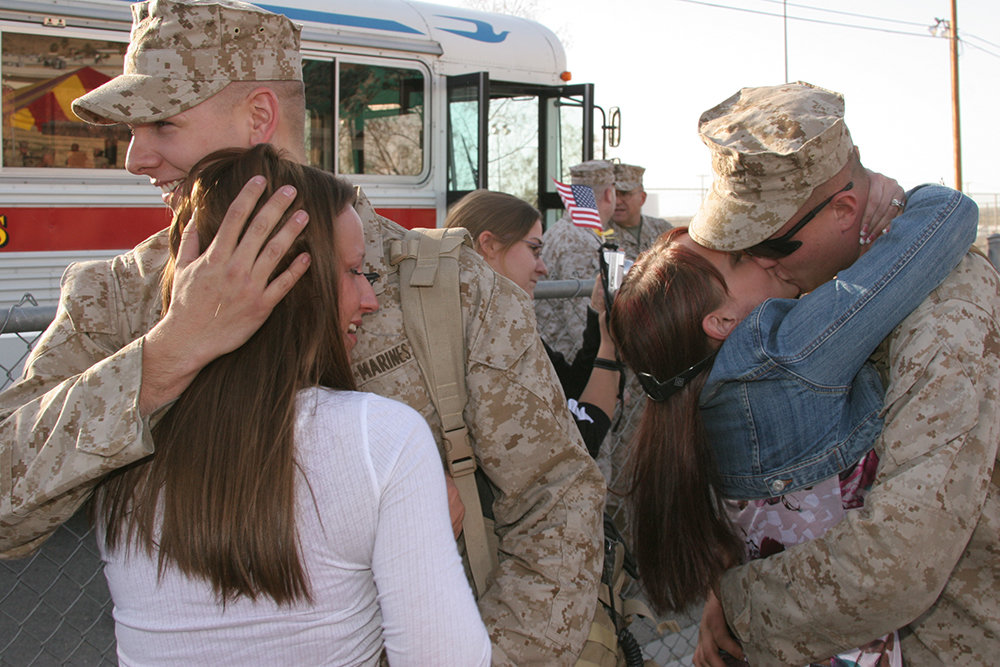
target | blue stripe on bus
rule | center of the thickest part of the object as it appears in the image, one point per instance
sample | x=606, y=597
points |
x=484, y=31
x=341, y=19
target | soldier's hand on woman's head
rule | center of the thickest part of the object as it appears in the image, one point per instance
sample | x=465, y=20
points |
x=223, y=295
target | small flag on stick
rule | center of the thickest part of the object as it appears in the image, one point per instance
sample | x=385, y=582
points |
x=581, y=204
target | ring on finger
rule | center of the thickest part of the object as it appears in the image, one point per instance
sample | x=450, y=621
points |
x=898, y=204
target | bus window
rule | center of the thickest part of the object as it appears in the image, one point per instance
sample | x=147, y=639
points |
x=571, y=144
x=381, y=120
x=513, y=136
x=41, y=75
x=464, y=160
x=318, y=78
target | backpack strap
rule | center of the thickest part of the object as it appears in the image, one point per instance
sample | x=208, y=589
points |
x=429, y=295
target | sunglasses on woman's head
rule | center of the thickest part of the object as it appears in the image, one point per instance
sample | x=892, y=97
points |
x=783, y=246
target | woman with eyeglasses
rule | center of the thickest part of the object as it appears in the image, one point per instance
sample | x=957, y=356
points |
x=764, y=409
x=284, y=518
x=507, y=232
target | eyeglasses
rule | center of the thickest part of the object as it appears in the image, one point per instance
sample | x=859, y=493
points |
x=370, y=277
x=783, y=246
x=536, y=248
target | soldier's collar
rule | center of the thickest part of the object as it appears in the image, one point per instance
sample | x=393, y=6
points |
x=374, y=230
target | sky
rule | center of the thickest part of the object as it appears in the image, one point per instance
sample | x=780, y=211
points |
x=664, y=62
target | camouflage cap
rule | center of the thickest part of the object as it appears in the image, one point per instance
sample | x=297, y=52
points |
x=593, y=173
x=771, y=147
x=183, y=52
x=628, y=177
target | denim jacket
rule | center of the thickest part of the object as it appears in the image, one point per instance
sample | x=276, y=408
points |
x=790, y=399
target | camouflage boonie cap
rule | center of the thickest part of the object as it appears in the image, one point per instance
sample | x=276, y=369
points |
x=771, y=147
x=593, y=173
x=182, y=52
x=628, y=177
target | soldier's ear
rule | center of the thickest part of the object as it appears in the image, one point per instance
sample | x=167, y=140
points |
x=264, y=115
x=847, y=209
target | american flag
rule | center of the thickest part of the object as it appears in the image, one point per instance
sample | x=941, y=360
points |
x=580, y=202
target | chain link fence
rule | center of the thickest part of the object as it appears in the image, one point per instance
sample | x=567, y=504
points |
x=55, y=608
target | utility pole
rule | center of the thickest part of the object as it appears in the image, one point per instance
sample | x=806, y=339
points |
x=956, y=121
x=949, y=29
x=785, y=5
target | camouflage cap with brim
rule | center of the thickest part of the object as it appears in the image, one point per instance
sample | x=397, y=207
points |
x=183, y=52
x=628, y=177
x=593, y=173
x=771, y=147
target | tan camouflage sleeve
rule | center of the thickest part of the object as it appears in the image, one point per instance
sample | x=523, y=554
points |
x=539, y=607
x=569, y=253
x=73, y=416
x=923, y=549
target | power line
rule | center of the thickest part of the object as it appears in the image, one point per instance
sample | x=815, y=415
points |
x=808, y=20
x=965, y=34
x=837, y=11
x=963, y=37
x=978, y=48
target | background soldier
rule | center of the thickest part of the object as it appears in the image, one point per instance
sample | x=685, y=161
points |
x=634, y=231
x=571, y=253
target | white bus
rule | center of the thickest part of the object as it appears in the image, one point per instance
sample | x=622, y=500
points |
x=417, y=103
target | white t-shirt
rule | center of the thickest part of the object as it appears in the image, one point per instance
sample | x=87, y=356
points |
x=379, y=553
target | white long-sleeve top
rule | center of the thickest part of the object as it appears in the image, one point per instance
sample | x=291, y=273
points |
x=378, y=549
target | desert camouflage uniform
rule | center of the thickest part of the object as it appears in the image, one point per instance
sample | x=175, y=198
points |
x=570, y=252
x=59, y=437
x=550, y=496
x=74, y=415
x=924, y=553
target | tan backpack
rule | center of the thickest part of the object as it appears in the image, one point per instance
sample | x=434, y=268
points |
x=428, y=264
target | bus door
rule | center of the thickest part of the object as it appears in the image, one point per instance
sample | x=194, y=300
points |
x=516, y=137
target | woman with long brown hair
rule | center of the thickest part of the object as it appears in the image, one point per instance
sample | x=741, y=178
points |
x=763, y=410
x=507, y=232
x=284, y=518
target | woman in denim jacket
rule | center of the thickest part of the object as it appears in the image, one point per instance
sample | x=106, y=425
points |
x=764, y=441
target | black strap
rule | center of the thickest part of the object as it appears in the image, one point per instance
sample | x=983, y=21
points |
x=661, y=391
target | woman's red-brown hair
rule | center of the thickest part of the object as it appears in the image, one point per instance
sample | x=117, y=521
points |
x=683, y=540
x=217, y=498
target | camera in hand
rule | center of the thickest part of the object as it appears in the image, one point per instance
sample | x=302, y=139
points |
x=614, y=266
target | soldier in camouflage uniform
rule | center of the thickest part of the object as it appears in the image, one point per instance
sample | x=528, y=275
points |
x=570, y=252
x=922, y=554
x=634, y=230
x=82, y=408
